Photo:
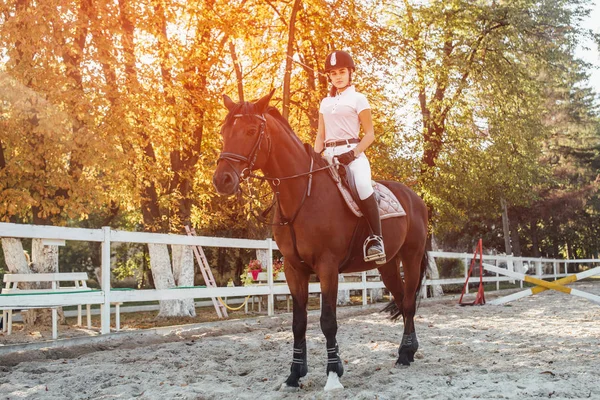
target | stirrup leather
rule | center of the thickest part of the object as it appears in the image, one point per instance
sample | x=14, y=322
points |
x=378, y=257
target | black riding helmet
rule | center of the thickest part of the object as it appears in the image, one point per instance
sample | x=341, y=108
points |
x=339, y=59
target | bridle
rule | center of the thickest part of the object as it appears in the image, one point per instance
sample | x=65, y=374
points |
x=251, y=159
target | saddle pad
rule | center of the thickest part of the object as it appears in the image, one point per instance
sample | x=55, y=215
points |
x=389, y=206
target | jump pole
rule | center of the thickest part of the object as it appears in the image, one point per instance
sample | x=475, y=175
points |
x=543, y=285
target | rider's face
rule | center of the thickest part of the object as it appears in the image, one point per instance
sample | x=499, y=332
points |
x=340, y=77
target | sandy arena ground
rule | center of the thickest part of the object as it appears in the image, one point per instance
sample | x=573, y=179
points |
x=545, y=346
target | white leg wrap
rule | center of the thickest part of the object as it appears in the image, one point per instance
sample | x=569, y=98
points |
x=333, y=382
x=288, y=389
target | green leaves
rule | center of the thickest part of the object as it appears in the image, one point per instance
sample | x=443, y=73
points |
x=481, y=73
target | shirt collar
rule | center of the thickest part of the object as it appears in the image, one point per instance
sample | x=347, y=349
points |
x=349, y=89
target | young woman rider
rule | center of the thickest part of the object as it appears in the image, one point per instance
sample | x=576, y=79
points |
x=341, y=115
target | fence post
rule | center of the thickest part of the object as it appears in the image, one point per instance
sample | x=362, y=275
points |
x=105, y=308
x=538, y=268
x=270, y=297
x=510, y=266
x=434, y=274
x=496, y=263
x=364, y=285
x=519, y=266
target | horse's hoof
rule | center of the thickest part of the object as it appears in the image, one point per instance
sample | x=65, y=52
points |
x=333, y=382
x=402, y=361
x=288, y=389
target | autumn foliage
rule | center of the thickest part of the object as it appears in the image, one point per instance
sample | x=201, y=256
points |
x=110, y=111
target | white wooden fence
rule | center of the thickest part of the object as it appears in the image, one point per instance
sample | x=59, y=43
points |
x=106, y=296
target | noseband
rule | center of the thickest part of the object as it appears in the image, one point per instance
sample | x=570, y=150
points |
x=251, y=159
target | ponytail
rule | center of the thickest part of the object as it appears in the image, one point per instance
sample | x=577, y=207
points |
x=332, y=91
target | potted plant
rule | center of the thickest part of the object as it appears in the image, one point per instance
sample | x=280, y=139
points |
x=255, y=268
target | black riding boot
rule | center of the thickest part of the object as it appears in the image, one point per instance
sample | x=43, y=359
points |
x=374, y=250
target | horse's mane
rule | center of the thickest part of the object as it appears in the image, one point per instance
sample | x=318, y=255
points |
x=274, y=112
x=250, y=108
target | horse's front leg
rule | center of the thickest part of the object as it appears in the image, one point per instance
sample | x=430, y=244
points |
x=298, y=284
x=329, y=290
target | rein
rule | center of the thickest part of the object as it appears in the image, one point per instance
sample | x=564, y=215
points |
x=247, y=173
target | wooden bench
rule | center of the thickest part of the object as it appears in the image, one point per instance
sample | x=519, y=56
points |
x=79, y=284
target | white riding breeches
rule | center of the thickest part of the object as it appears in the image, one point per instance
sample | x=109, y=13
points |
x=360, y=167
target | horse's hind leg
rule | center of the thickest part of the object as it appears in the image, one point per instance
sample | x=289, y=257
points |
x=411, y=261
x=404, y=303
x=298, y=284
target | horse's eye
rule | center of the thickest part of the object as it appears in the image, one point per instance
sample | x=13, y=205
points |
x=252, y=131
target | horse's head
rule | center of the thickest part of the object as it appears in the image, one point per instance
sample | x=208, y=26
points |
x=246, y=146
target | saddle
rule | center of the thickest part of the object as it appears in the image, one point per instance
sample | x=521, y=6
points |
x=389, y=206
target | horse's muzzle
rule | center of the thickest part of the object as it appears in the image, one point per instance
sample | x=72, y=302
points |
x=226, y=183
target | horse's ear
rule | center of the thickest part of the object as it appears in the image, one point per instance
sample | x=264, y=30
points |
x=228, y=102
x=263, y=102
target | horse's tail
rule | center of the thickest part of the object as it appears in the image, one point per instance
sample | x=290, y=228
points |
x=423, y=272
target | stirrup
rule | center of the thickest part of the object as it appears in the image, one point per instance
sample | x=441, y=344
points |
x=379, y=257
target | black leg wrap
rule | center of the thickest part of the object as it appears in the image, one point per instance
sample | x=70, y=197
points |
x=299, y=366
x=334, y=362
x=407, y=350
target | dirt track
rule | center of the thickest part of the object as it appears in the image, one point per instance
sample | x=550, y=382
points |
x=540, y=347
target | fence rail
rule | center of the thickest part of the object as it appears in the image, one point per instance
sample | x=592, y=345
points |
x=105, y=297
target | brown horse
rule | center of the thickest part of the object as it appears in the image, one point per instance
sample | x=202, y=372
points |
x=314, y=228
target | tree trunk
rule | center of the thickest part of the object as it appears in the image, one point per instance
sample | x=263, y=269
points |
x=44, y=260
x=239, y=270
x=162, y=274
x=239, y=77
x=263, y=257
x=433, y=273
x=183, y=273
x=149, y=192
x=506, y=227
x=534, y=239
x=2, y=158
x=287, y=77
x=514, y=235
x=14, y=256
x=376, y=295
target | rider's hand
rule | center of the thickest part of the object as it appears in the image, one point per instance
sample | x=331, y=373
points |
x=347, y=157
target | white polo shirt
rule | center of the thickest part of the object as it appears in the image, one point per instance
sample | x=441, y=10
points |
x=340, y=114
